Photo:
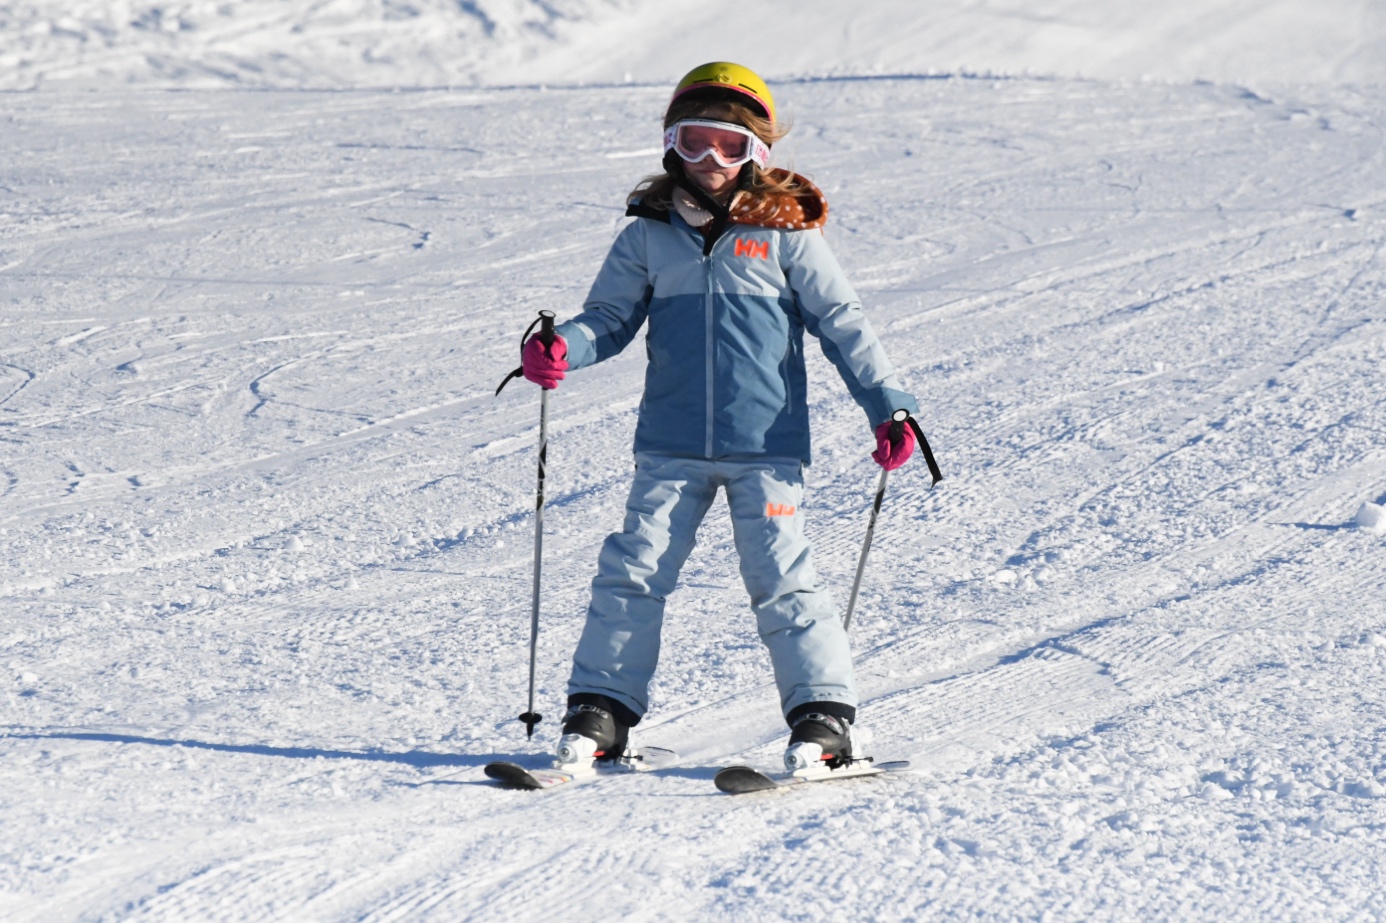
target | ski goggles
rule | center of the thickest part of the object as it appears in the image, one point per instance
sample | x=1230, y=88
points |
x=725, y=142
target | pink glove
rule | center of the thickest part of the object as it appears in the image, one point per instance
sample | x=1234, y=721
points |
x=545, y=367
x=891, y=455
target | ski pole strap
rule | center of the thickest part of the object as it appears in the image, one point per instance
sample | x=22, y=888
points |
x=934, y=473
x=505, y=381
x=545, y=323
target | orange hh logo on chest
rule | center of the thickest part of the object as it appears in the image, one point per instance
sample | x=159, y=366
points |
x=780, y=509
x=755, y=250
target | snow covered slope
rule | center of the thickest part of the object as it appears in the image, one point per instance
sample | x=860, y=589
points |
x=264, y=549
x=359, y=43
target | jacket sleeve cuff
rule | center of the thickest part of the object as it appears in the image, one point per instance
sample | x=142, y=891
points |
x=582, y=349
x=880, y=403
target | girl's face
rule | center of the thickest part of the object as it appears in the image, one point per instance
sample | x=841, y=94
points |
x=715, y=179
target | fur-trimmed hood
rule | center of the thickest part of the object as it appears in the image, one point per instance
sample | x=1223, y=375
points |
x=802, y=209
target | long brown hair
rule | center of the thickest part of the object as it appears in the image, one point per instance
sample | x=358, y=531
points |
x=657, y=190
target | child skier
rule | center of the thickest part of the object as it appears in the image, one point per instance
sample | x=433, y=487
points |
x=727, y=263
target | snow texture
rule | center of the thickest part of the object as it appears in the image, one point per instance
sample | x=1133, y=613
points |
x=265, y=532
x=435, y=43
x=1371, y=516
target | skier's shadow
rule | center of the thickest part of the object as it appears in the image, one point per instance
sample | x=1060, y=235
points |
x=420, y=759
x=528, y=760
x=696, y=773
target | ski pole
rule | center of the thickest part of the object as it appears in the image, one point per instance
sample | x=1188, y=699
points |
x=546, y=335
x=897, y=429
x=898, y=421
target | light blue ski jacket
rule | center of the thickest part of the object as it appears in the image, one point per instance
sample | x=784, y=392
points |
x=726, y=376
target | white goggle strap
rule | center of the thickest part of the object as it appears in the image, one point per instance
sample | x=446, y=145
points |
x=760, y=152
x=757, y=150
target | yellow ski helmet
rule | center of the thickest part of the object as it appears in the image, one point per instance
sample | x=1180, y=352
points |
x=725, y=80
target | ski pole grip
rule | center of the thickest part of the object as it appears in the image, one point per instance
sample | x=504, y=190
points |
x=546, y=333
x=897, y=425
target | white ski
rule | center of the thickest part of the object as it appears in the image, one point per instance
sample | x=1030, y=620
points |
x=741, y=780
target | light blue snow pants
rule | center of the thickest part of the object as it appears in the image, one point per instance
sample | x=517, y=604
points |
x=638, y=567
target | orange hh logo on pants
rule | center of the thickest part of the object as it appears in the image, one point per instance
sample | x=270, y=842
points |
x=758, y=251
x=779, y=509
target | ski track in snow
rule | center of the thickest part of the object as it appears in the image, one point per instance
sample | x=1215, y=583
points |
x=265, y=538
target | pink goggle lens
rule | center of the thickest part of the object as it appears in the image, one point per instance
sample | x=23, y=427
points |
x=697, y=141
x=729, y=145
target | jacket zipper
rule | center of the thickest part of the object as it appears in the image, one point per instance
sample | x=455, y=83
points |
x=709, y=365
x=788, y=365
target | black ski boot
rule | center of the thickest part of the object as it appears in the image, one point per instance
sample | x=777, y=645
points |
x=817, y=738
x=592, y=730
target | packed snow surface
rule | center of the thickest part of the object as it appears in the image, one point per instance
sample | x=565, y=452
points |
x=356, y=43
x=265, y=532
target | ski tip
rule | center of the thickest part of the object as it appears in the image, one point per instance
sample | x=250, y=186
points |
x=741, y=780
x=512, y=776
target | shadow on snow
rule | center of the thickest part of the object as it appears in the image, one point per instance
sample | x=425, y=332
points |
x=417, y=758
